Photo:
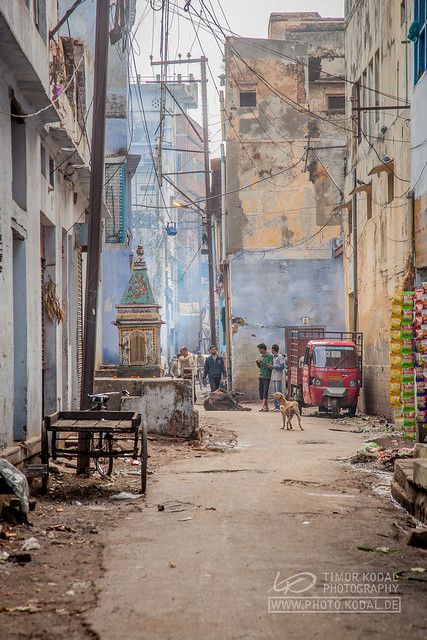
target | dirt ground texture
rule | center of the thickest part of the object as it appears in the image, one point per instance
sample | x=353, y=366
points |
x=200, y=554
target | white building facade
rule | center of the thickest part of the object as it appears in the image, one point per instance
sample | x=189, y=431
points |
x=43, y=198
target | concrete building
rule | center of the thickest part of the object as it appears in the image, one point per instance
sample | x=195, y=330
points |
x=417, y=12
x=193, y=283
x=154, y=199
x=45, y=88
x=120, y=166
x=284, y=105
x=378, y=225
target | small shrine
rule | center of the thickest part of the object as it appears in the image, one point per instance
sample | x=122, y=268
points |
x=138, y=321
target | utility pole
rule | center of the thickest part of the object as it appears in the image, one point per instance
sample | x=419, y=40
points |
x=208, y=205
x=96, y=196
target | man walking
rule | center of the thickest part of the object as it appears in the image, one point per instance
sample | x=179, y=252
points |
x=277, y=372
x=214, y=368
x=264, y=364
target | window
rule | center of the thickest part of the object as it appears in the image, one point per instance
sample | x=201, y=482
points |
x=51, y=172
x=19, y=156
x=420, y=52
x=390, y=187
x=369, y=204
x=402, y=13
x=377, y=83
x=345, y=357
x=248, y=99
x=336, y=103
x=43, y=159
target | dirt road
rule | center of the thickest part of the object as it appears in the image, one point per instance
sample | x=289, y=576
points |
x=203, y=566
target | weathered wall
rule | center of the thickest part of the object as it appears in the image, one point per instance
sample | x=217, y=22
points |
x=287, y=291
x=166, y=406
x=375, y=54
x=50, y=213
x=419, y=162
x=115, y=275
x=281, y=231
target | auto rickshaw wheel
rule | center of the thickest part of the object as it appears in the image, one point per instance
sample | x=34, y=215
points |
x=323, y=409
x=335, y=406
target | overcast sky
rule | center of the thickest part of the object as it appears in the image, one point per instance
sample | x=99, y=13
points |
x=246, y=17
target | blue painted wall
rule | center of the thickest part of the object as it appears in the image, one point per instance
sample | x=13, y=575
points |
x=270, y=294
x=115, y=277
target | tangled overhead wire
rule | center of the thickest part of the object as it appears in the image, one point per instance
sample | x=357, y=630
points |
x=187, y=5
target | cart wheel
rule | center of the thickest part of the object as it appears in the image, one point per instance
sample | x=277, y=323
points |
x=144, y=457
x=44, y=457
x=104, y=464
x=335, y=406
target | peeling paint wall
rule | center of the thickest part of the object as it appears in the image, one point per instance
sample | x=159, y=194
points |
x=281, y=232
x=376, y=55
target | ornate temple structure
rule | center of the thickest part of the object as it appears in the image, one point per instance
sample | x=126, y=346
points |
x=138, y=320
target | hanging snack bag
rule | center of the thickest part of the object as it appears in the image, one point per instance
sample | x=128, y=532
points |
x=408, y=300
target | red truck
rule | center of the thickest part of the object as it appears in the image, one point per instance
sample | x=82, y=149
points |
x=324, y=368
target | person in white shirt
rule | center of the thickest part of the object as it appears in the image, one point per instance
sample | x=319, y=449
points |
x=186, y=360
x=277, y=372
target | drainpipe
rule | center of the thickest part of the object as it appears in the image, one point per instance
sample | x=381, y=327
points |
x=355, y=269
x=411, y=196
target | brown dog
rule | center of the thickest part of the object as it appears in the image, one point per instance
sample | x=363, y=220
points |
x=289, y=409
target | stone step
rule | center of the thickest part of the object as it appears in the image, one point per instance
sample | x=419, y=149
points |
x=408, y=489
x=420, y=473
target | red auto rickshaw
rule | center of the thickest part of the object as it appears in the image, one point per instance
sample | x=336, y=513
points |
x=325, y=369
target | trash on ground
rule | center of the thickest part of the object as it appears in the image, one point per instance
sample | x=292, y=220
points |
x=377, y=549
x=29, y=608
x=15, y=480
x=31, y=544
x=418, y=574
x=61, y=527
x=20, y=558
x=125, y=495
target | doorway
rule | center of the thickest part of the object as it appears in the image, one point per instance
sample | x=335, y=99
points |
x=19, y=337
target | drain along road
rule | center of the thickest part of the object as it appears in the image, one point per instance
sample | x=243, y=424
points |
x=235, y=524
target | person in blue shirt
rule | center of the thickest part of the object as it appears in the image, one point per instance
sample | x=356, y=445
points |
x=214, y=368
x=277, y=372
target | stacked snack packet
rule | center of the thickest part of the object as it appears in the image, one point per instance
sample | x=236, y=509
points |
x=403, y=361
x=420, y=331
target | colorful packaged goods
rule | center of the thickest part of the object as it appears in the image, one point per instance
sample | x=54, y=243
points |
x=408, y=348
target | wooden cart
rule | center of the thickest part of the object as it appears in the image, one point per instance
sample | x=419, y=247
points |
x=103, y=430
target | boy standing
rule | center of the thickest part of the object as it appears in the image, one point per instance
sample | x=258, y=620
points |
x=277, y=372
x=264, y=364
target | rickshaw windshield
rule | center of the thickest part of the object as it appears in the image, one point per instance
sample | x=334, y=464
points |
x=335, y=357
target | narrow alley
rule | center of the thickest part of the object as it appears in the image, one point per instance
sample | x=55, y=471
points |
x=219, y=527
x=213, y=319
x=281, y=501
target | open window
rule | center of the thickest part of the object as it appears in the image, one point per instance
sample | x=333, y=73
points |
x=19, y=155
x=336, y=102
x=248, y=98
